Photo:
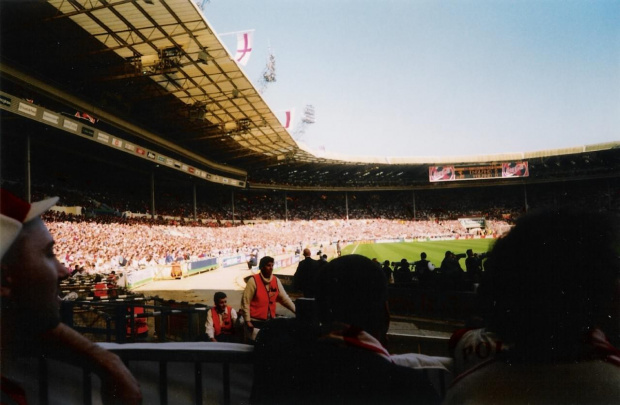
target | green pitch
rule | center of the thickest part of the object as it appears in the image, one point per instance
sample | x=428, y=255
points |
x=435, y=250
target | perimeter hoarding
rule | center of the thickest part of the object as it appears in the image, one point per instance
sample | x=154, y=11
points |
x=502, y=170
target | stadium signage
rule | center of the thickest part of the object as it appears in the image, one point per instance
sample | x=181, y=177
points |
x=70, y=125
x=88, y=132
x=53, y=118
x=231, y=261
x=29, y=110
x=492, y=171
x=6, y=101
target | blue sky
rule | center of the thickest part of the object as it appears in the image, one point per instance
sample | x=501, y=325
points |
x=437, y=78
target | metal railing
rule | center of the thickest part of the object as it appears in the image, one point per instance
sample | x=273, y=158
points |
x=168, y=373
x=117, y=320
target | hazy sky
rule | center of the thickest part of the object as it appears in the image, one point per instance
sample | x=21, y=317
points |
x=437, y=77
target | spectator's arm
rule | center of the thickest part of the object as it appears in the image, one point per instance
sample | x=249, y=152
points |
x=209, y=329
x=248, y=294
x=298, y=278
x=283, y=297
x=118, y=384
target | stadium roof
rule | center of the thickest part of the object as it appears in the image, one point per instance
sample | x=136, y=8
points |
x=156, y=75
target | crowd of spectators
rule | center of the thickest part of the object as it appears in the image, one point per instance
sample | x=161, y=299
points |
x=117, y=226
x=103, y=243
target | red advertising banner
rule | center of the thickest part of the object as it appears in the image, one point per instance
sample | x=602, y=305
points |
x=515, y=169
x=441, y=173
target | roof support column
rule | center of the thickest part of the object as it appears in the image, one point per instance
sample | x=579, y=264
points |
x=232, y=195
x=285, y=208
x=346, y=203
x=153, y=195
x=194, y=195
x=28, y=185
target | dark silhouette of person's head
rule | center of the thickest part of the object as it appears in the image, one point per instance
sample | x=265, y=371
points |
x=352, y=290
x=551, y=279
x=423, y=255
x=264, y=261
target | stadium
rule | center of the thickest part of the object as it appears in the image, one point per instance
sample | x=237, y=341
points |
x=159, y=146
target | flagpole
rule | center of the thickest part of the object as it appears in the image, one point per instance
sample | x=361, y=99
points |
x=235, y=32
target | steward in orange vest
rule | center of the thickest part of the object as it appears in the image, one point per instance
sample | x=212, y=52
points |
x=261, y=293
x=224, y=325
x=220, y=320
x=263, y=305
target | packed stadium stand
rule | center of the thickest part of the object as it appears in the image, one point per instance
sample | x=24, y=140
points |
x=158, y=145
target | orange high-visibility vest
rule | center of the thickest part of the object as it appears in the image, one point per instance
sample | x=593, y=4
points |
x=264, y=301
x=225, y=327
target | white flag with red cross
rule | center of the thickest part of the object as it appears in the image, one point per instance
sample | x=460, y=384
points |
x=244, y=47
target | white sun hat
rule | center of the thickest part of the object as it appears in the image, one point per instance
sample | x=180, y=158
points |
x=14, y=213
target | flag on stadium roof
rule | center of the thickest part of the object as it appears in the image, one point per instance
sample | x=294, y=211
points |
x=287, y=118
x=244, y=47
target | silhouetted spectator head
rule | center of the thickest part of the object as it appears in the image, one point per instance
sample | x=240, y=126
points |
x=352, y=290
x=551, y=279
x=423, y=256
x=307, y=252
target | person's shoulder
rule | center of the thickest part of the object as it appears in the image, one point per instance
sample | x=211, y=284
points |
x=250, y=281
x=358, y=373
x=282, y=336
x=320, y=370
